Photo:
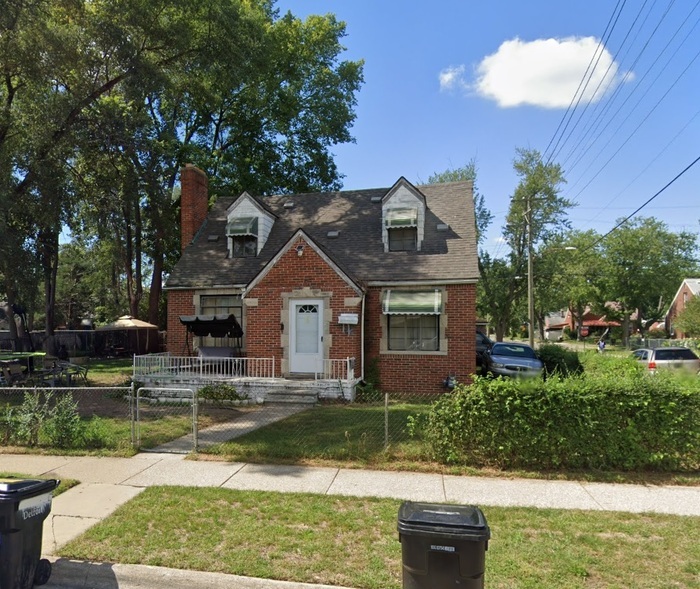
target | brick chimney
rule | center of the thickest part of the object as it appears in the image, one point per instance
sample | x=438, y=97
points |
x=194, y=202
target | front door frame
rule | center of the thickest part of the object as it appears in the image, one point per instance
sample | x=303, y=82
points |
x=303, y=362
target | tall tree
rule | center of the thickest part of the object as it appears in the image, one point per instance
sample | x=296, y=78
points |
x=537, y=213
x=644, y=264
x=567, y=271
x=141, y=87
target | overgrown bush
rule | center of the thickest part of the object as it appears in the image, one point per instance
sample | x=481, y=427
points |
x=220, y=394
x=63, y=427
x=559, y=360
x=619, y=420
x=45, y=419
x=30, y=417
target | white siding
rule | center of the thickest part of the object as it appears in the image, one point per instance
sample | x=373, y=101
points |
x=404, y=198
x=246, y=207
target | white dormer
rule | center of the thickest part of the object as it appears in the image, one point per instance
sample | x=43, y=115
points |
x=403, y=217
x=248, y=226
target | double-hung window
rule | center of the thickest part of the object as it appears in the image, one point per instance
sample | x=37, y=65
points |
x=402, y=229
x=413, y=319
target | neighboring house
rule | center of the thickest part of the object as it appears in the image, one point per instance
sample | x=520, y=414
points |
x=385, y=276
x=592, y=324
x=689, y=288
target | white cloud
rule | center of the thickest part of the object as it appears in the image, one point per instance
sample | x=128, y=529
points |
x=545, y=72
x=452, y=77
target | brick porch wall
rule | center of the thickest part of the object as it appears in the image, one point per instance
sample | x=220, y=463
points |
x=426, y=373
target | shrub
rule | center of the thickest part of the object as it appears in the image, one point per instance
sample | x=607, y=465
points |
x=559, y=360
x=369, y=390
x=63, y=428
x=220, y=394
x=30, y=418
x=614, y=421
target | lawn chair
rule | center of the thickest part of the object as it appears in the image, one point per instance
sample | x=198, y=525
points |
x=73, y=372
x=13, y=373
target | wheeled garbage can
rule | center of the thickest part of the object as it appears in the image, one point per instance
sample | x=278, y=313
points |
x=24, y=505
x=442, y=546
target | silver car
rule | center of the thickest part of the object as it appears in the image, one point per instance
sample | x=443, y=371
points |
x=668, y=357
x=512, y=359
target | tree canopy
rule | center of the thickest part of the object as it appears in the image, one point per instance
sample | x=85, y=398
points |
x=102, y=101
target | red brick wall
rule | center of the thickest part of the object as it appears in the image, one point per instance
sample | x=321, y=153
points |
x=293, y=272
x=194, y=203
x=677, y=308
x=179, y=303
x=421, y=373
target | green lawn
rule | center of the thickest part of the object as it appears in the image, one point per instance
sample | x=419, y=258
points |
x=348, y=434
x=353, y=541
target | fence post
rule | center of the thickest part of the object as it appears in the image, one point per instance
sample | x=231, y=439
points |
x=132, y=414
x=195, y=418
x=138, y=420
x=386, y=421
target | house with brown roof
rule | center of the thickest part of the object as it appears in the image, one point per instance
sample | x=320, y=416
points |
x=383, y=277
x=688, y=289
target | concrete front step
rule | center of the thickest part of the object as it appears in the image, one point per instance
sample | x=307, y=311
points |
x=289, y=395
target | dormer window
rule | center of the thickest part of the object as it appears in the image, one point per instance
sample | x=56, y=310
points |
x=403, y=218
x=402, y=228
x=243, y=235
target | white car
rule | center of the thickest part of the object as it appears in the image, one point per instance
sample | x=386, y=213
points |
x=668, y=357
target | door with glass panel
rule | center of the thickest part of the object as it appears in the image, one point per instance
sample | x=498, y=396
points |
x=306, y=336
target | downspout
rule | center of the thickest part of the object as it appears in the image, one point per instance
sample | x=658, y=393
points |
x=362, y=338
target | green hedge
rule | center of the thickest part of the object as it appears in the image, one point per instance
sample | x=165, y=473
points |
x=618, y=420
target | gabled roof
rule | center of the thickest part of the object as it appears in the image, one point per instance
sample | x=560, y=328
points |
x=347, y=226
x=693, y=285
x=300, y=234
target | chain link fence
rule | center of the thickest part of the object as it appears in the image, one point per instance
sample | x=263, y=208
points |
x=97, y=419
x=118, y=420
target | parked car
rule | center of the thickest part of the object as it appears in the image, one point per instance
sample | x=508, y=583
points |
x=668, y=357
x=512, y=359
x=483, y=343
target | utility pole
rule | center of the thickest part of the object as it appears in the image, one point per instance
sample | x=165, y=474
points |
x=530, y=277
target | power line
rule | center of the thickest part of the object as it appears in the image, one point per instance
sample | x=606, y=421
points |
x=628, y=217
x=612, y=21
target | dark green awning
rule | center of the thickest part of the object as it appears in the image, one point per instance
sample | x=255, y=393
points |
x=406, y=302
x=242, y=226
x=401, y=218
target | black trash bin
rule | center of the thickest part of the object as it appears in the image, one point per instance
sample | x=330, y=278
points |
x=442, y=546
x=24, y=505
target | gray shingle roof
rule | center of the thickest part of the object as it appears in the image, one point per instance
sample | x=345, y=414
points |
x=358, y=250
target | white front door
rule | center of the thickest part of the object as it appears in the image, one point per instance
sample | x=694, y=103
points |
x=306, y=336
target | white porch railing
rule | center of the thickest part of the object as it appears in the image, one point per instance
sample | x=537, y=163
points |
x=341, y=369
x=164, y=365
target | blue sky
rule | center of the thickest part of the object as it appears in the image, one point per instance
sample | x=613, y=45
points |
x=453, y=80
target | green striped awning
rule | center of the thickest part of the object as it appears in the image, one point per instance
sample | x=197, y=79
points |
x=407, y=302
x=401, y=218
x=242, y=226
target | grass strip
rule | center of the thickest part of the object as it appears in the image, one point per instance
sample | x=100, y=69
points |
x=353, y=542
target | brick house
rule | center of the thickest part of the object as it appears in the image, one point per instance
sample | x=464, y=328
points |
x=386, y=277
x=689, y=288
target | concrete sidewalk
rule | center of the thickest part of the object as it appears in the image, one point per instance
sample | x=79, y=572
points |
x=107, y=483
